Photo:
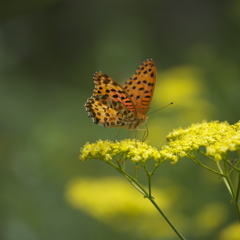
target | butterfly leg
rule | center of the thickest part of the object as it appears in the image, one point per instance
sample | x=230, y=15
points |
x=129, y=134
x=118, y=134
x=145, y=134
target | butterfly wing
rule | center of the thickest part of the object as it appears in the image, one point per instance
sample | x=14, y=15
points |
x=107, y=112
x=104, y=85
x=140, y=87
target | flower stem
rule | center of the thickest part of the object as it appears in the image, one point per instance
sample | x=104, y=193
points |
x=237, y=201
x=139, y=187
x=228, y=183
x=226, y=180
x=165, y=217
x=146, y=194
x=238, y=188
x=195, y=159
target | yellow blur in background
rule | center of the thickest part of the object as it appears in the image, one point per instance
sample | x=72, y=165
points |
x=113, y=201
x=49, y=51
x=184, y=86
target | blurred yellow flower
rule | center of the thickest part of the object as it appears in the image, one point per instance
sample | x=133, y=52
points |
x=110, y=197
x=185, y=86
x=210, y=217
x=232, y=232
x=113, y=201
x=183, y=82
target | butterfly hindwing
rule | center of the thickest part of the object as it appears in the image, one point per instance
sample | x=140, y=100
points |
x=104, y=85
x=108, y=112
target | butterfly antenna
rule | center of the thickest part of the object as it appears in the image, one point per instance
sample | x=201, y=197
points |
x=160, y=108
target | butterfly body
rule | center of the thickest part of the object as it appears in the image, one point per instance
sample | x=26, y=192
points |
x=115, y=106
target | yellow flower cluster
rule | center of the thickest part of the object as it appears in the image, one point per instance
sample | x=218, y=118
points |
x=217, y=138
x=134, y=150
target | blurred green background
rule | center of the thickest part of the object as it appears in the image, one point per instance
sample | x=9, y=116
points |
x=49, y=51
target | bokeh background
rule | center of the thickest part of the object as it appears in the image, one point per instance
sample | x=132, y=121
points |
x=49, y=51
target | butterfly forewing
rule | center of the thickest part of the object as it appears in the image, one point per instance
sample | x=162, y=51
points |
x=108, y=112
x=140, y=87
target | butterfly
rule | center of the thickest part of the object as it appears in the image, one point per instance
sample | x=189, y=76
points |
x=112, y=105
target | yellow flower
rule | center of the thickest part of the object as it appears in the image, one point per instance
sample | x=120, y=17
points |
x=217, y=138
x=135, y=150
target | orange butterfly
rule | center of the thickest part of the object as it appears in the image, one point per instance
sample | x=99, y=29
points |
x=115, y=106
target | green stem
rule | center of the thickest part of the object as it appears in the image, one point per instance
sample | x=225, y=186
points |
x=165, y=217
x=151, y=199
x=132, y=180
x=228, y=183
x=226, y=180
x=146, y=194
x=149, y=175
x=237, y=197
x=225, y=176
x=238, y=188
x=234, y=166
x=194, y=158
x=149, y=185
